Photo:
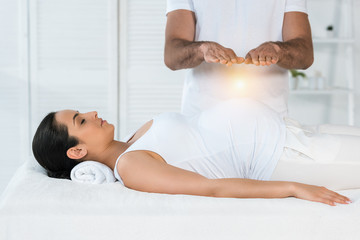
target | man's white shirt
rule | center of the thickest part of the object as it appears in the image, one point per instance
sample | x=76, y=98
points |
x=240, y=25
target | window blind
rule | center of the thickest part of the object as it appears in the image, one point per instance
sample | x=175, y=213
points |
x=147, y=86
x=73, y=49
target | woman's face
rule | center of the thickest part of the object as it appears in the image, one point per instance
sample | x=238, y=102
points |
x=92, y=132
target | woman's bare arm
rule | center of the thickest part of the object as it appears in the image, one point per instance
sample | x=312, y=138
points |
x=142, y=172
x=247, y=188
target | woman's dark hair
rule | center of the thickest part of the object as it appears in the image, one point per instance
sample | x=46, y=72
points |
x=50, y=144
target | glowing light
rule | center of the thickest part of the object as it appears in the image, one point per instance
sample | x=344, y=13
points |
x=240, y=84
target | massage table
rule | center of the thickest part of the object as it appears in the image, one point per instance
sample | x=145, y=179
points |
x=34, y=206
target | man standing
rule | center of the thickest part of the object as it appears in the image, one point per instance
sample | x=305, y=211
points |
x=213, y=38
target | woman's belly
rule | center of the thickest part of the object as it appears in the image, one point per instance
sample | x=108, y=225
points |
x=237, y=138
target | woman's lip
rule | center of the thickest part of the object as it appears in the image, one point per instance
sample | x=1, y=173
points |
x=102, y=122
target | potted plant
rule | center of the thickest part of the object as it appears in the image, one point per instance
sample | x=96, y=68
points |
x=295, y=79
x=330, y=31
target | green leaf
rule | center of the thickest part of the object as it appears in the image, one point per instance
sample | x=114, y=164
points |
x=295, y=73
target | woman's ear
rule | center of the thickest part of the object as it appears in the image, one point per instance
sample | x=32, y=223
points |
x=77, y=152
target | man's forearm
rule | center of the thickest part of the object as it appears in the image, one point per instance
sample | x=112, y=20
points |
x=180, y=54
x=247, y=188
x=296, y=53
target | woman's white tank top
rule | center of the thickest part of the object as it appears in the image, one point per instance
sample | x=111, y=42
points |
x=239, y=138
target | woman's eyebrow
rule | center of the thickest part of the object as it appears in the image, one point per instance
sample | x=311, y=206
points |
x=76, y=114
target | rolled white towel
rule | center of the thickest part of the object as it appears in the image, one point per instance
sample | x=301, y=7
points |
x=92, y=172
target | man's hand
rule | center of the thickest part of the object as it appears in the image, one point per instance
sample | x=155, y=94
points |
x=266, y=54
x=296, y=50
x=181, y=49
x=215, y=53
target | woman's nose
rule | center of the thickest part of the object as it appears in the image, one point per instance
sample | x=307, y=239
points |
x=92, y=114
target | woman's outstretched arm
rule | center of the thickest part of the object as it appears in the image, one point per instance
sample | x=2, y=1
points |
x=276, y=189
x=140, y=171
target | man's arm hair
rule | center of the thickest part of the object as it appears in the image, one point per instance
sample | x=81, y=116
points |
x=181, y=53
x=180, y=49
x=297, y=48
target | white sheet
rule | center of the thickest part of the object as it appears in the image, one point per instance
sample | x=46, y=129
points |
x=35, y=206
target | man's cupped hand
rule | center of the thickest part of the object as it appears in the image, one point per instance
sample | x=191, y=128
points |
x=266, y=54
x=215, y=53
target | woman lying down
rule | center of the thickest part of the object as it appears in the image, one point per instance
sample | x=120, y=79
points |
x=238, y=149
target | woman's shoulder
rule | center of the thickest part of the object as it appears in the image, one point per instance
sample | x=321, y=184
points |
x=132, y=160
x=128, y=156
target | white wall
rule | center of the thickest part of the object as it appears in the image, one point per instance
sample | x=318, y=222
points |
x=357, y=62
x=14, y=141
x=54, y=55
x=331, y=59
x=147, y=86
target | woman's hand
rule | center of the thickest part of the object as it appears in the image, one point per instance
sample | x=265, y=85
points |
x=318, y=194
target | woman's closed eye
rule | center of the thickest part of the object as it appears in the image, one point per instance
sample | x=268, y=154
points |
x=82, y=121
